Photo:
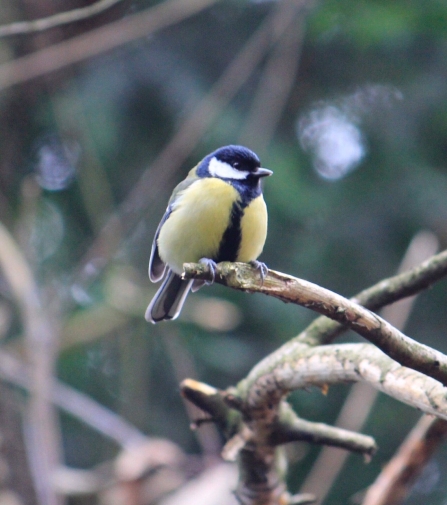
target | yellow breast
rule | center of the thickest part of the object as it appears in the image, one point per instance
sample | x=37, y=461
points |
x=254, y=230
x=196, y=225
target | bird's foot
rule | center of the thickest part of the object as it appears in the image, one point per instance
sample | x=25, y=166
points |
x=261, y=267
x=212, y=267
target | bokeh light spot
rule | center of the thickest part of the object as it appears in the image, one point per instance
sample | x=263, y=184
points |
x=334, y=141
x=55, y=162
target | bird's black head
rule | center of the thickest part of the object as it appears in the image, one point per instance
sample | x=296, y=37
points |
x=239, y=158
x=233, y=163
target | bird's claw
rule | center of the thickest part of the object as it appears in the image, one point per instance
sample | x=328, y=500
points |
x=261, y=267
x=212, y=265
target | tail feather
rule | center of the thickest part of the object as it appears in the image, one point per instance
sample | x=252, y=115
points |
x=169, y=299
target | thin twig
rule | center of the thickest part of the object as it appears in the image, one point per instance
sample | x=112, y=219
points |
x=391, y=341
x=293, y=428
x=63, y=18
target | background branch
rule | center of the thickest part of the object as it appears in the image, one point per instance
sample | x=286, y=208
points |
x=63, y=18
x=274, y=87
x=398, y=476
x=42, y=434
x=101, y=40
x=74, y=402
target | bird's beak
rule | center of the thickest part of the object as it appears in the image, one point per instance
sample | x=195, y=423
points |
x=262, y=172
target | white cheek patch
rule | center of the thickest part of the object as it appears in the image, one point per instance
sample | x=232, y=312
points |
x=221, y=169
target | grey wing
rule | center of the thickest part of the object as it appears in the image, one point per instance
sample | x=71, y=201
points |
x=156, y=265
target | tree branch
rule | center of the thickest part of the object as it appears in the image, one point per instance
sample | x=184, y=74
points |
x=62, y=18
x=292, y=428
x=406, y=284
x=398, y=476
x=42, y=434
x=391, y=341
x=302, y=366
x=361, y=398
x=324, y=330
x=255, y=411
x=413, y=281
x=98, y=41
x=77, y=404
x=225, y=410
x=256, y=453
x=256, y=419
x=262, y=419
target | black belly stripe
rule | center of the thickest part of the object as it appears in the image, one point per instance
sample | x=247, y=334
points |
x=231, y=240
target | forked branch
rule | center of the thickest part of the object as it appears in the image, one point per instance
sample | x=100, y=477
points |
x=255, y=416
x=379, y=332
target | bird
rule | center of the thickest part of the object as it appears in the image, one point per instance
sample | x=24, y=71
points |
x=216, y=214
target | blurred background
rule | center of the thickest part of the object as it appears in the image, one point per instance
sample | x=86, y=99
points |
x=346, y=101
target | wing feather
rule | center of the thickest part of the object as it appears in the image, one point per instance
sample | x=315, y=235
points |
x=157, y=266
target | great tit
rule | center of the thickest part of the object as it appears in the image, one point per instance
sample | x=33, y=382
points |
x=216, y=214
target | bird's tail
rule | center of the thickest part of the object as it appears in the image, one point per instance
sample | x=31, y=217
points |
x=169, y=299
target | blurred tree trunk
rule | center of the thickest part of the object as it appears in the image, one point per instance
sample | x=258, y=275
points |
x=14, y=470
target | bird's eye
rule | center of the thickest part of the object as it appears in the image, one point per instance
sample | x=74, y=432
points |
x=236, y=165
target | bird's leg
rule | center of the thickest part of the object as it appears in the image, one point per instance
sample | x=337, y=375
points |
x=261, y=267
x=212, y=266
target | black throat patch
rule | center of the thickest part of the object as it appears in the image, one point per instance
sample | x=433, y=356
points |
x=231, y=240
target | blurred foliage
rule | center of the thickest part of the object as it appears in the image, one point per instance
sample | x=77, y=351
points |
x=74, y=143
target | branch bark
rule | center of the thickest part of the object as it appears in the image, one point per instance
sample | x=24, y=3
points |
x=395, y=480
x=256, y=418
x=292, y=428
x=302, y=366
